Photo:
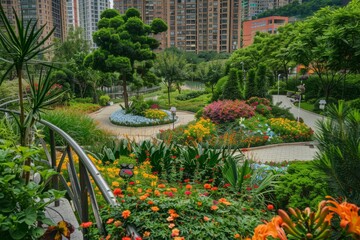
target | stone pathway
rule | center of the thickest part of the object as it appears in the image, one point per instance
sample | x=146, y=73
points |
x=271, y=153
x=137, y=133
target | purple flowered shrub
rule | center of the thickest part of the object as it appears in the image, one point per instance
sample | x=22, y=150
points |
x=228, y=111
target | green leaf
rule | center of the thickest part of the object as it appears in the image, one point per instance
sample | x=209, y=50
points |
x=30, y=217
x=38, y=232
x=19, y=231
x=8, y=178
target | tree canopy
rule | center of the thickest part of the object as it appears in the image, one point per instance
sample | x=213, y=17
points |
x=122, y=41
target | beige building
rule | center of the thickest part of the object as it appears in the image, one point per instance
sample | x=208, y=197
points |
x=200, y=25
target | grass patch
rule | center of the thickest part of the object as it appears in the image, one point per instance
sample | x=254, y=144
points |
x=80, y=127
x=307, y=106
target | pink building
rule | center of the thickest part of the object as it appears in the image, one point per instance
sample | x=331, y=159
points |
x=268, y=24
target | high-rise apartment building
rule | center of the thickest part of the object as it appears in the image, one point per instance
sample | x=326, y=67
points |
x=89, y=15
x=200, y=25
x=8, y=6
x=72, y=14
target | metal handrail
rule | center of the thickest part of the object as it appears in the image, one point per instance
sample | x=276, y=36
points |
x=80, y=188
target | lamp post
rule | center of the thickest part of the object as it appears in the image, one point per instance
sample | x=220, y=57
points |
x=301, y=89
x=278, y=83
x=173, y=114
x=322, y=104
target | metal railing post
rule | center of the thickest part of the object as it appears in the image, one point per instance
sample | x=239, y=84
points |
x=84, y=197
x=55, y=179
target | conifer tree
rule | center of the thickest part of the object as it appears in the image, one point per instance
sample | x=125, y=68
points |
x=231, y=89
x=250, y=90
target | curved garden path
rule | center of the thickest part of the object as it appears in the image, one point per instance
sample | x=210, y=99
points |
x=274, y=153
x=137, y=133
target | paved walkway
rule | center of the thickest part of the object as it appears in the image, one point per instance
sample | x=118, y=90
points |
x=136, y=133
x=272, y=153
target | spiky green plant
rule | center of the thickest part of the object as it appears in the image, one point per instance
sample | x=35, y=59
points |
x=339, y=155
x=22, y=45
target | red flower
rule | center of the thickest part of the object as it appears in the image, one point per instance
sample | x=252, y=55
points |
x=187, y=192
x=226, y=185
x=197, y=156
x=86, y=224
x=126, y=238
x=131, y=183
x=270, y=207
x=117, y=191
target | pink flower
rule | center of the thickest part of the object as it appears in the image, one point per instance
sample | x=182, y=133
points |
x=187, y=192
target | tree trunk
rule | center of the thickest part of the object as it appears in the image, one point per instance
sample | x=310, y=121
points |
x=125, y=93
x=169, y=88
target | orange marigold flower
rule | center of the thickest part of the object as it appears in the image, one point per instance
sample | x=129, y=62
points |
x=199, y=203
x=161, y=185
x=157, y=193
x=207, y=186
x=86, y=224
x=237, y=236
x=171, y=225
x=188, y=186
x=171, y=211
x=110, y=220
x=174, y=215
x=155, y=208
x=143, y=197
x=214, y=189
x=169, y=219
x=214, y=207
x=179, y=238
x=175, y=232
x=117, y=223
x=146, y=234
x=108, y=237
x=150, y=202
x=206, y=218
x=126, y=214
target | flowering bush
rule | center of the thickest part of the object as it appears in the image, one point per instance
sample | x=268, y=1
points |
x=201, y=130
x=291, y=131
x=228, y=111
x=190, y=210
x=254, y=101
x=155, y=114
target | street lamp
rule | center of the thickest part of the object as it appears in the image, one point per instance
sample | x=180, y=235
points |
x=301, y=89
x=322, y=104
x=173, y=114
x=278, y=83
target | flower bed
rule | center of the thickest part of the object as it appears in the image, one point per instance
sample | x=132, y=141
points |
x=121, y=118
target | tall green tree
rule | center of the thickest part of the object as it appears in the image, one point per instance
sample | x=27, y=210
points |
x=231, y=88
x=73, y=44
x=250, y=88
x=261, y=81
x=123, y=40
x=172, y=67
x=215, y=72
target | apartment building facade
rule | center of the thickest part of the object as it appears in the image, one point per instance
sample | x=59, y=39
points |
x=89, y=15
x=201, y=25
x=268, y=24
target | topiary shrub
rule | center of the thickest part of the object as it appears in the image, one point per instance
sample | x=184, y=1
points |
x=104, y=99
x=219, y=88
x=228, y=111
x=302, y=186
x=231, y=88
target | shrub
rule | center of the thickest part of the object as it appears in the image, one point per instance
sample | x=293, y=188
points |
x=190, y=95
x=104, y=99
x=254, y=101
x=279, y=112
x=137, y=106
x=83, y=100
x=155, y=114
x=302, y=186
x=200, y=130
x=227, y=111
